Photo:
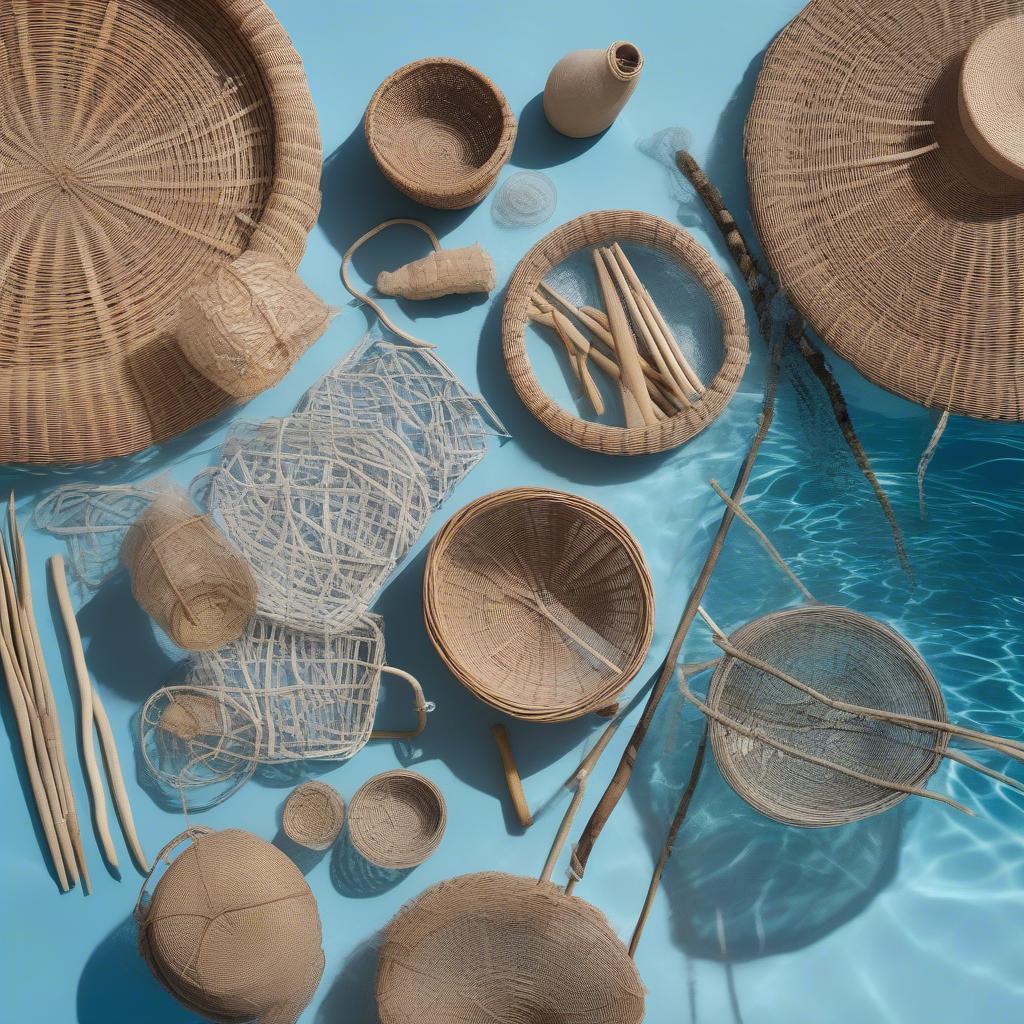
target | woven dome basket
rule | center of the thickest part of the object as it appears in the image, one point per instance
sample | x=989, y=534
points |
x=145, y=143
x=847, y=657
x=313, y=815
x=892, y=229
x=440, y=132
x=397, y=819
x=539, y=602
x=492, y=948
x=688, y=264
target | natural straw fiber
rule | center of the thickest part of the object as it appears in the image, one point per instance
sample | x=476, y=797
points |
x=313, y=815
x=397, y=819
x=539, y=602
x=462, y=271
x=892, y=234
x=684, y=256
x=440, y=132
x=232, y=929
x=493, y=948
x=145, y=144
x=184, y=572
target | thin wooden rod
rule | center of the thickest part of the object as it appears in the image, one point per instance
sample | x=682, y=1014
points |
x=513, y=780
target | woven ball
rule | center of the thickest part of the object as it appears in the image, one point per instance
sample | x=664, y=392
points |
x=490, y=947
x=232, y=930
x=313, y=815
x=397, y=819
x=440, y=132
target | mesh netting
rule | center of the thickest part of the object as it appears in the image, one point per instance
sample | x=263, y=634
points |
x=525, y=199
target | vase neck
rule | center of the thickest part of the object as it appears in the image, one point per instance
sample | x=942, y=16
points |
x=625, y=61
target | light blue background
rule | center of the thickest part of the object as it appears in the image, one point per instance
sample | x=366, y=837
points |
x=911, y=917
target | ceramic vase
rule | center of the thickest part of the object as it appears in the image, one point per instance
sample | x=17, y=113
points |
x=587, y=88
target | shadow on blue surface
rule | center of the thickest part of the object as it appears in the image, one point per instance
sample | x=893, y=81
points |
x=354, y=876
x=351, y=997
x=539, y=145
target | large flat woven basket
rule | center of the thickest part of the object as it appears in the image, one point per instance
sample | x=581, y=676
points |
x=144, y=143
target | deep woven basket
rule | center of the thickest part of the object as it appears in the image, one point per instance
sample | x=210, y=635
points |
x=313, y=815
x=848, y=657
x=603, y=227
x=397, y=819
x=539, y=602
x=440, y=131
x=145, y=144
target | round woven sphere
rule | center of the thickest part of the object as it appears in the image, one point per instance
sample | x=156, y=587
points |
x=600, y=228
x=896, y=238
x=232, y=930
x=313, y=815
x=440, y=131
x=539, y=602
x=145, y=143
x=494, y=947
x=397, y=819
x=847, y=657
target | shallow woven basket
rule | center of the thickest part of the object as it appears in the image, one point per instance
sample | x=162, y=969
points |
x=848, y=657
x=313, y=815
x=440, y=131
x=397, y=819
x=539, y=602
x=145, y=143
x=492, y=947
x=602, y=227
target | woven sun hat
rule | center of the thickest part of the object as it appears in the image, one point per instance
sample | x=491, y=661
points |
x=492, y=947
x=397, y=819
x=539, y=602
x=440, y=131
x=145, y=145
x=885, y=155
x=313, y=815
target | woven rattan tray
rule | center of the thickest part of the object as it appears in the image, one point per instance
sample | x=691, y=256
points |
x=143, y=143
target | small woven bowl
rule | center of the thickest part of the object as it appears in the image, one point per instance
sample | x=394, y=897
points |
x=313, y=815
x=397, y=819
x=440, y=132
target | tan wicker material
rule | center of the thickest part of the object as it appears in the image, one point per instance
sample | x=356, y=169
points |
x=144, y=144
x=397, y=819
x=187, y=575
x=848, y=657
x=493, y=948
x=440, y=131
x=461, y=271
x=683, y=261
x=313, y=815
x=231, y=929
x=539, y=602
x=244, y=326
x=891, y=233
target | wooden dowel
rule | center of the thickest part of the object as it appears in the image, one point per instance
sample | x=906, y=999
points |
x=596, y=314
x=512, y=778
x=563, y=828
x=578, y=354
x=600, y=329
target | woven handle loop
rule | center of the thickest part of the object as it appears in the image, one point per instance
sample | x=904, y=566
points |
x=420, y=705
x=190, y=833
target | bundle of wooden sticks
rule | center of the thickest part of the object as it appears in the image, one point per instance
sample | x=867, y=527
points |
x=632, y=344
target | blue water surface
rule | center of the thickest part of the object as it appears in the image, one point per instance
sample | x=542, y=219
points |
x=912, y=916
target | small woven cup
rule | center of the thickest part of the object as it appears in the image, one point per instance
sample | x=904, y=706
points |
x=313, y=815
x=397, y=819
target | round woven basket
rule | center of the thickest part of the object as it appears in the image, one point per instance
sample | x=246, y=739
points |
x=847, y=657
x=604, y=227
x=539, y=602
x=397, y=819
x=145, y=144
x=313, y=815
x=440, y=131
x=494, y=947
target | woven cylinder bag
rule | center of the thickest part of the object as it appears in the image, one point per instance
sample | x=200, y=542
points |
x=885, y=160
x=847, y=657
x=492, y=948
x=313, y=815
x=231, y=929
x=145, y=144
x=539, y=602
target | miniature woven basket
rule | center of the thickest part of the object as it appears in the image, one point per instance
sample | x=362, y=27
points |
x=313, y=815
x=397, y=819
x=539, y=602
x=440, y=131
x=600, y=228
x=182, y=135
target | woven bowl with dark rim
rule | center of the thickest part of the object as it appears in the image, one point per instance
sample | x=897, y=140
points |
x=539, y=602
x=440, y=131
